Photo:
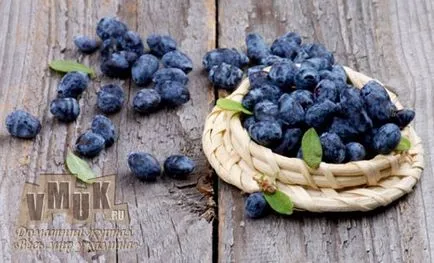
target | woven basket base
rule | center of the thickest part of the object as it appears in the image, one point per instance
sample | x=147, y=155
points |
x=355, y=186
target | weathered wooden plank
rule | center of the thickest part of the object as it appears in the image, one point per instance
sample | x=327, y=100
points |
x=389, y=40
x=166, y=217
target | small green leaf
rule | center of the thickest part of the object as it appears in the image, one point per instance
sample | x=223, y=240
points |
x=403, y=145
x=70, y=65
x=311, y=148
x=232, y=105
x=79, y=168
x=279, y=202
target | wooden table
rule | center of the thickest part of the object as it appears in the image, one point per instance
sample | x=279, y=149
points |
x=391, y=40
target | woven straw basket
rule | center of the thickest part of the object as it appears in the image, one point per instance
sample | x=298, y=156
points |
x=354, y=186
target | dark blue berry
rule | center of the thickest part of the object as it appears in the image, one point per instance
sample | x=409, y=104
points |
x=332, y=147
x=326, y=90
x=294, y=37
x=266, y=133
x=173, y=93
x=257, y=49
x=146, y=101
x=176, y=59
x=161, y=44
x=282, y=74
x=224, y=55
x=130, y=56
x=104, y=126
x=285, y=48
x=110, y=98
x=304, y=97
x=225, y=76
x=110, y=27
x=320, y=114
x=108, y=47
x=256, y=206
x=350, y=101
x=386, y=138
x=115, y=66
x=178, y=166
x=344, y=128
x=72, y=85
x=143, y=69
x=290, y=142
x=339, y=72
x=291, y=113
x=312, y=50
x=272, y=59
x=144, y=166
x=23, y=125
x=266, y=110
x=252, y=98
x=89, y=144
x=307, y=78
x=377, y=102
x=403, y=117
x=132, y=42
x=354, y=151
x=65, y=109
x=249, y=121
x=259, y=78
x=300, y=154
x=319, y=63
x=174, y=74
x=85, y=44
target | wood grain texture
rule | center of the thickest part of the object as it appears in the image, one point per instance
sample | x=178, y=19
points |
x=167, y=217
x=389, y=40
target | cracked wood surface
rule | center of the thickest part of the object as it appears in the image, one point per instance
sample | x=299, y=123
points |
x=391, y=40
x=167, y=217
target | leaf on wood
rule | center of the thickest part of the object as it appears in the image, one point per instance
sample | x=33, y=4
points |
x=279, y=202
x=79, y=168
x=70, y=65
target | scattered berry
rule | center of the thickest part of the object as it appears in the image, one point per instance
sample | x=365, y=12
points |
x=173, y=93
x=178, y=166
x=177, y=59
x=146, y=101
x=65, y=109
x=144, y=166
x=104, y=126
x=116, y=66
x=85, y=44
x=173, y=74
x=131, y=42
x=89, y=144
x=256, y=206
x=110, y=27
x=160, y=44
x=23, y=125
x=72, y=85
x=143, y=69
x=110, y=98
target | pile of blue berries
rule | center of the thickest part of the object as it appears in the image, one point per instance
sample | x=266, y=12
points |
x=305, y=88
x=123, y=55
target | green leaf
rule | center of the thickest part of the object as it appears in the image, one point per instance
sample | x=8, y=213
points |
x=403, y=145
x=70, y=65
x=279, y=202
x=79, y=168
x=232, y=105
x=311, y=148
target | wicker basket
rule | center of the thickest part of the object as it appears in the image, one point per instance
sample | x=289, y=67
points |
x=354, y=186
